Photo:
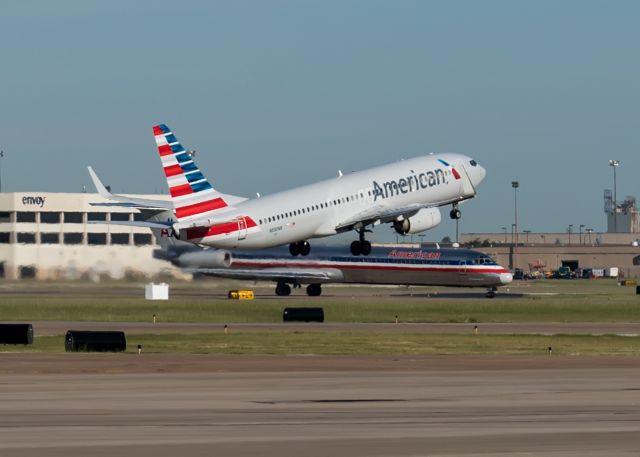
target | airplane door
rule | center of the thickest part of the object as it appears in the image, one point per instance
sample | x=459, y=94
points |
x=242, y=228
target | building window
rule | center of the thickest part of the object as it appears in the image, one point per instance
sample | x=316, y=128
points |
x=73, y=218
x=141, y=239
x=73, y=238
x=49, y=217
x=96, y=238
x=96, y=216
x=5, y=216
x=119, y=238
x=140, y=217
x=49, y=238
x=120, y=216
x=23, y=216
x=5, y=237
x=27, y=238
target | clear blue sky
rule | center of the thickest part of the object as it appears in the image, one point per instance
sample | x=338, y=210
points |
x=273, y=94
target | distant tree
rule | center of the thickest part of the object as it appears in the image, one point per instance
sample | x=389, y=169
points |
x=446, y=240
x=486, y=243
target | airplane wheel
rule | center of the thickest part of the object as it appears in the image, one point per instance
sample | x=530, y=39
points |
x=294, y=249
x=282, y=289
x=304, y=247
x=356, y=248
x=365, y=248
x=314, y=290
x=455, y=214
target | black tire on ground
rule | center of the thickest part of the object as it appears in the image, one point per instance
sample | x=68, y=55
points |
x=314, y=290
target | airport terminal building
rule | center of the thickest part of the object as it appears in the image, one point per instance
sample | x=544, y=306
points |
x=46, y=235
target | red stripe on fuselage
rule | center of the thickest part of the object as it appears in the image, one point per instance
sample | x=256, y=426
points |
x=218, y=229
x=183, y=189
x=354, y=266
x=201, y=207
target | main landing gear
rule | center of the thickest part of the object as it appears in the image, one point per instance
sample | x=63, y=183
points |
x=300, y=248
x=283, y=289
x=361, y=246
x=491, y=292
x=455, y=213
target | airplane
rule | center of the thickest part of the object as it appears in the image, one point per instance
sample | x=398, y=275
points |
x=405, y=194
x=455, y=267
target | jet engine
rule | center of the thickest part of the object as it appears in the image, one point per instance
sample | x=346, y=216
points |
x=423, y=220
x=206, y=258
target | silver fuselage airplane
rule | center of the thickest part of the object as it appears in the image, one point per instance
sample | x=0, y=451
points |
x=406, y=194
x=454, y=267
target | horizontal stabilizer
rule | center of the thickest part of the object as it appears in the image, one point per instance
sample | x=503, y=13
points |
x=126, y=202
x=143, y=224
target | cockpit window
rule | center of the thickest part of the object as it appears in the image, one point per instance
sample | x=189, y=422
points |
x=473, y=163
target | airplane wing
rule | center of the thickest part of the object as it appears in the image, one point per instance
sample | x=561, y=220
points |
x=381, y=214
x=315, y=275
x=122, y=201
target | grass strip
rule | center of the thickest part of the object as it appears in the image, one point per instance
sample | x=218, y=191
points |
x=359, y=343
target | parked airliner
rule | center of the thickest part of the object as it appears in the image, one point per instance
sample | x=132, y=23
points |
x=455, y=267
x=406, y=194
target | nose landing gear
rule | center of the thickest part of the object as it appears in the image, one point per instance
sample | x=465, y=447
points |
x=455, y=213
x=302, y=248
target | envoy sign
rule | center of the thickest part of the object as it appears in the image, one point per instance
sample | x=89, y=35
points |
x=31, y=200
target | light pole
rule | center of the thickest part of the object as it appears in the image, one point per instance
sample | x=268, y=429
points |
x=1, y=156
x=515, y=185
x=569, y=230
x=581, y=227
x=589, y=231
x=614, y=164
x=505, y=234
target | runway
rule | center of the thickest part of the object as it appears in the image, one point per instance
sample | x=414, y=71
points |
x=167, y=405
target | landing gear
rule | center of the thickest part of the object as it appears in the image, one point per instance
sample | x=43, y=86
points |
x=300, y=248
x=314, y=290
x=283, y=289
x=361, y=246
x=491, y=292
x=455, y=213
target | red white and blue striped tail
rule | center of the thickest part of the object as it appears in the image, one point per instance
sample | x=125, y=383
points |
x=192, y=195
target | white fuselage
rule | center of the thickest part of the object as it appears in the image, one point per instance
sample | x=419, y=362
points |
x=319, y=209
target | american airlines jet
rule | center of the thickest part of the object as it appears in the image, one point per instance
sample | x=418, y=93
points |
x=406, y=194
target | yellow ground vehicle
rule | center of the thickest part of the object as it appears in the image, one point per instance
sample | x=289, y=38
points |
x=241, y=294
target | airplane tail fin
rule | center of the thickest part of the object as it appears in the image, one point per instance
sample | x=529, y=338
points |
x=192, y=195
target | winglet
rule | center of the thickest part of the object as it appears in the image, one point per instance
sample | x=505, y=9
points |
x=102, y=190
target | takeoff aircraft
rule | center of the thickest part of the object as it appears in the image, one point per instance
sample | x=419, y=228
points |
x=398, y=266
x=406, y=194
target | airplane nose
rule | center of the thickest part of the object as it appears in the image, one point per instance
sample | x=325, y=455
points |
x=478, y=174
x=506, y=278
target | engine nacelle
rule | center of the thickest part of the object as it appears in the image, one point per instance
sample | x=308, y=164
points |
x=423, y=220
x=206, y=258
